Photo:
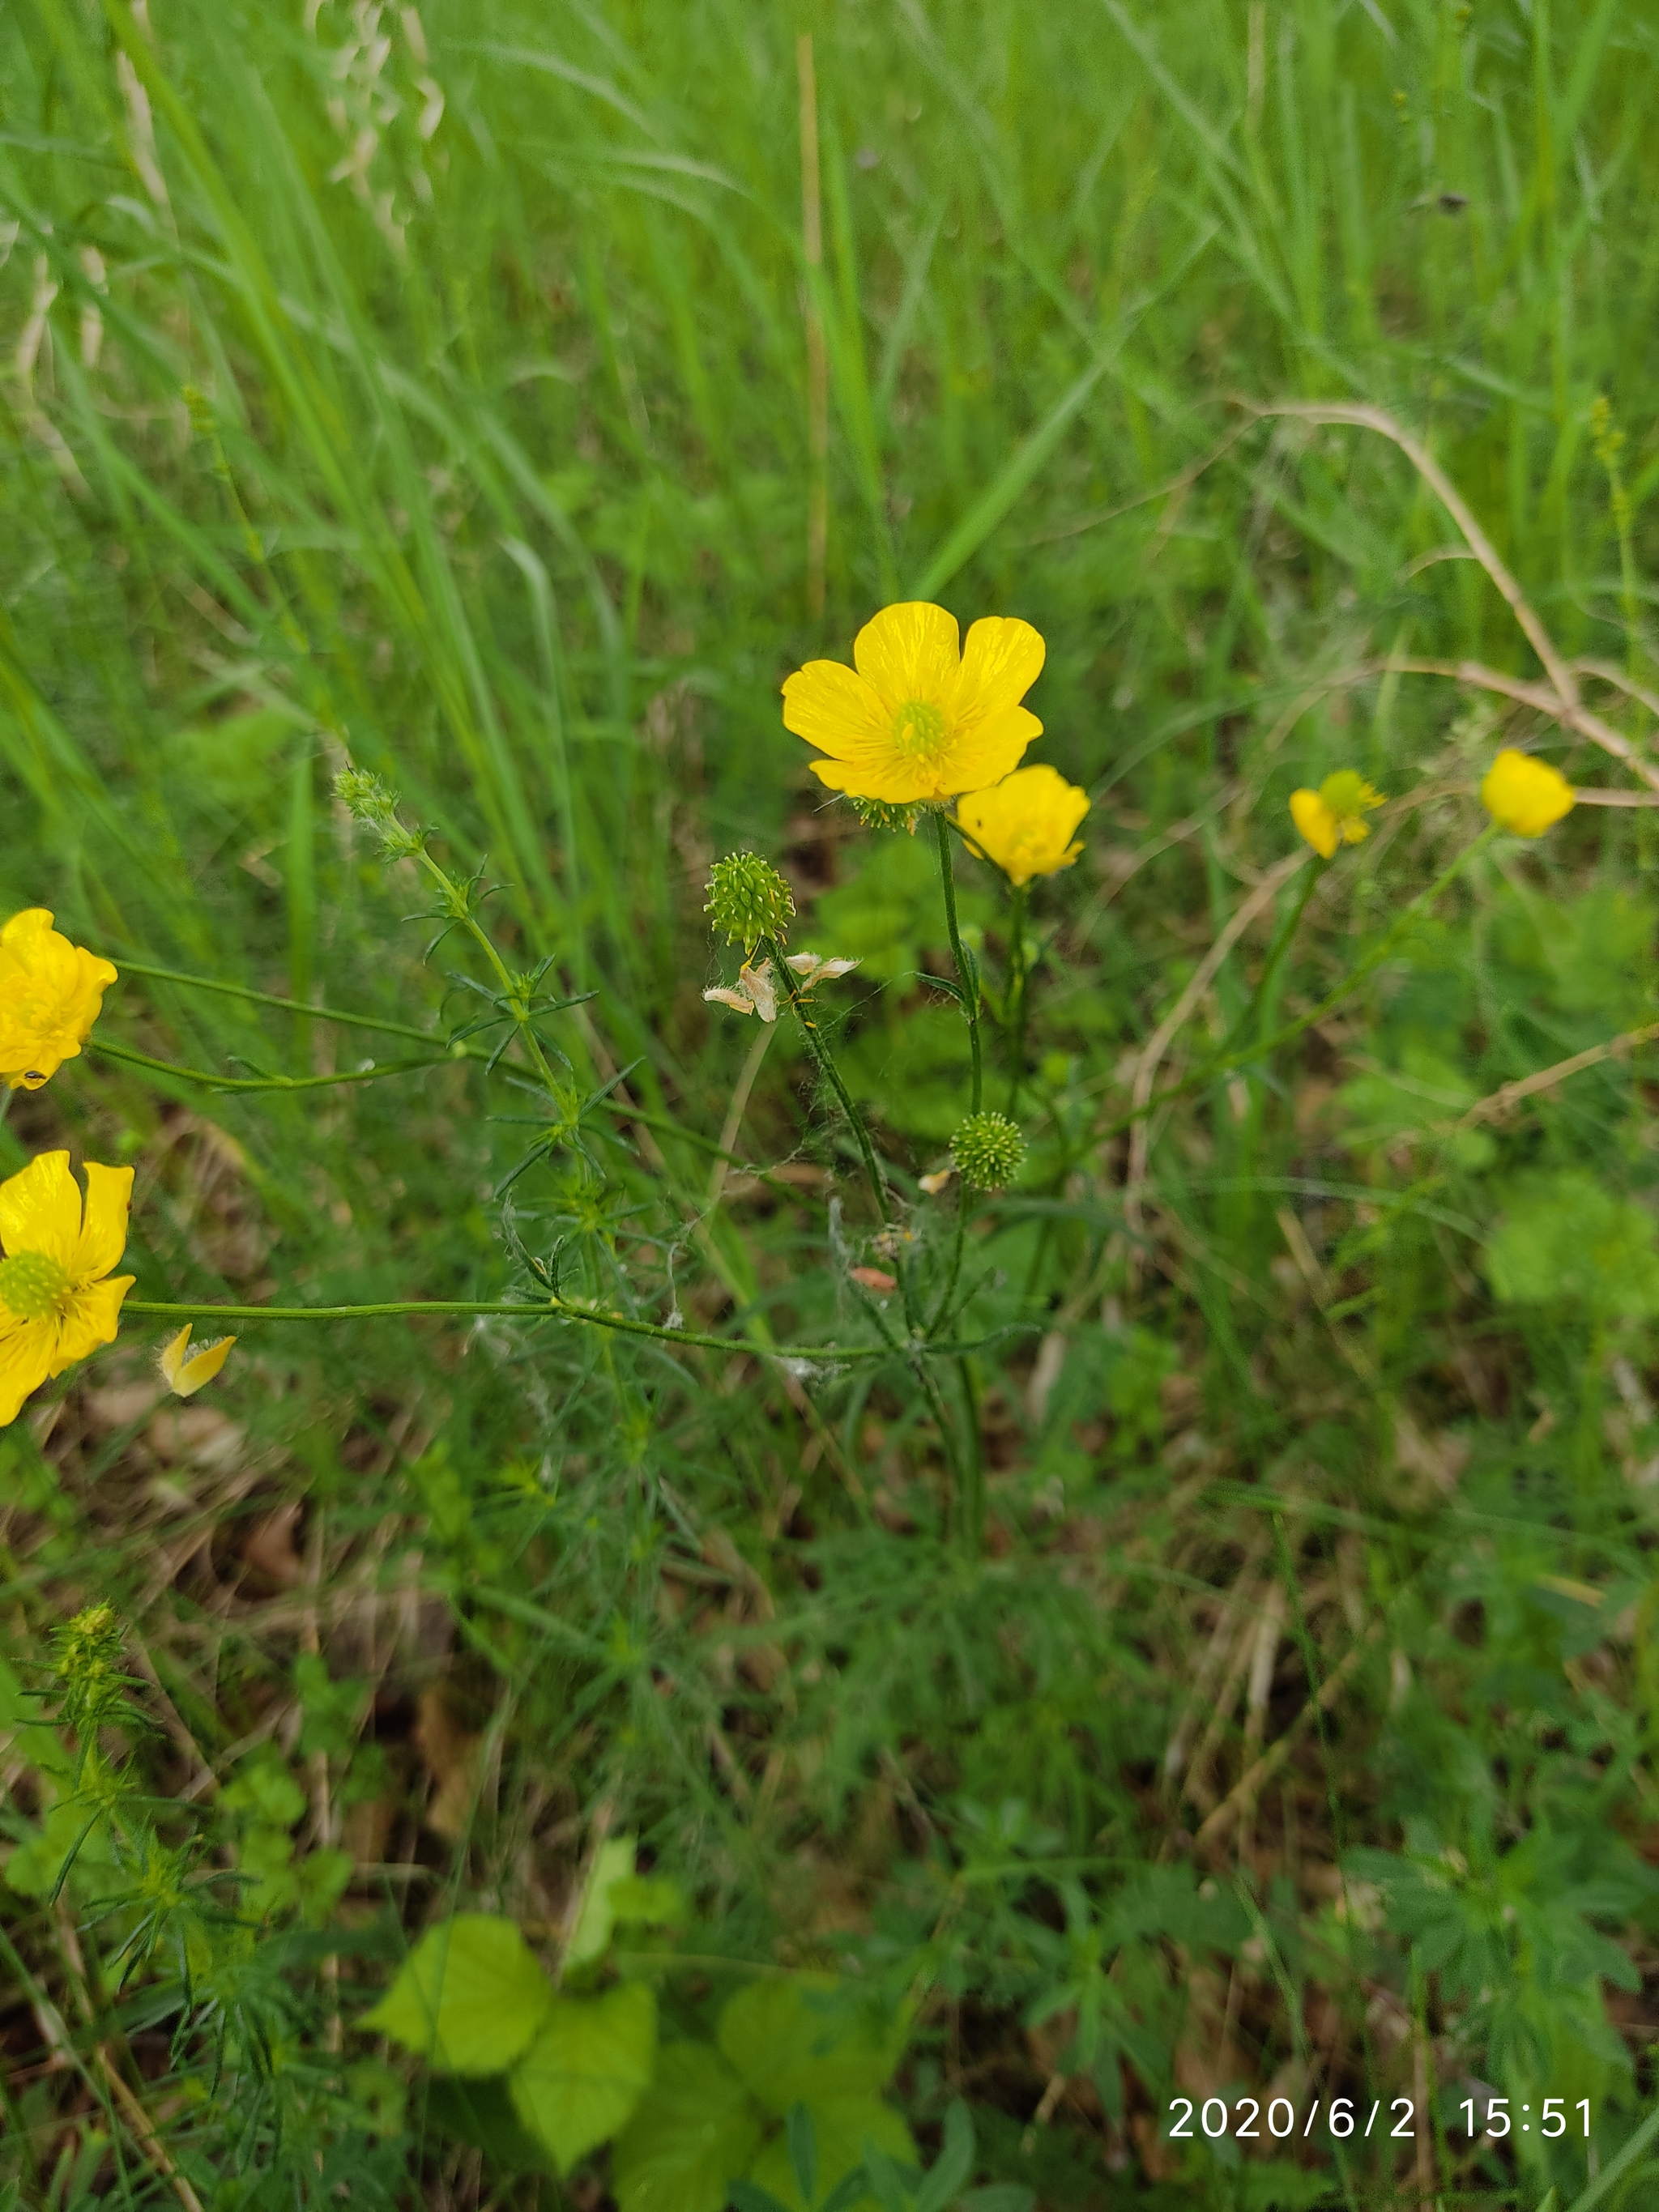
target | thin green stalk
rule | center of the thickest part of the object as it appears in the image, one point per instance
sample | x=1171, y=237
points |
x=130, y=1058
x=284, y=1006
x=1020, y=977
x=1246, y=1021
x=973, y=1484
x=967, y=977
x=553, y=1310
x=825, y=1062
x=957, y=1247
x=1222, y=1062
x=511, y=999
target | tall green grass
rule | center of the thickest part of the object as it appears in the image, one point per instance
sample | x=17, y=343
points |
x=430, y=389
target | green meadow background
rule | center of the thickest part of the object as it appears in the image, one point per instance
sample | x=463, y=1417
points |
x=436, y=388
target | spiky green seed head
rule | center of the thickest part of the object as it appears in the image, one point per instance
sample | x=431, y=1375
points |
x=987, y=1152
x=747, y=899
x=88, y=1668
x=367, y=800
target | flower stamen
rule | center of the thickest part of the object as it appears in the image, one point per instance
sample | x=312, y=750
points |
x=920, y=733
x=35, y=1286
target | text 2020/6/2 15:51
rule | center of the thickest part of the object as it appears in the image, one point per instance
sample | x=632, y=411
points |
x=1342, y=2117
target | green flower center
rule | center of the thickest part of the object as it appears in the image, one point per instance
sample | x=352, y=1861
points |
x=34, y=1287
x=920, y=731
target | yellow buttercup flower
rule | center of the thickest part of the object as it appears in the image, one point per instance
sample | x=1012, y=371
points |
x=1335, y=814
x=58, y=1298
x=183, y=1369
x=1023, y=824
x=1523, y=794
x=919, y=720
x=50, y=994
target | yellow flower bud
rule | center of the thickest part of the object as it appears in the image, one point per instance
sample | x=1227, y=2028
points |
x=50, y=992
x=1523, y=794
x=1335, y=814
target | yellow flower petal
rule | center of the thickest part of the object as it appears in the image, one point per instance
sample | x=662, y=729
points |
x=1025, y=823
x=104, y=1236
x=186, y=1371
x=1003, y=659
x=1525, y=795
x=835, y=709
x=910, y=652
x=992, y=750
x=40, y=1209
x=24, y=1366
x=1315, y=821
x=93, y=1317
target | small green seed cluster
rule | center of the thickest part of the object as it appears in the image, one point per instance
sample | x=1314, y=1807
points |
x=88, y=1670
x=368, y=800
x=747, y=899
x=987, y=1152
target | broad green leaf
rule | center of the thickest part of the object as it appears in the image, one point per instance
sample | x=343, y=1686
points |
x=803, y=2039
x=581, y=2078
x=843, y=2125
x=613, y=1862
x=695, y=2132
x=469, y=1997
x=1566, y=1238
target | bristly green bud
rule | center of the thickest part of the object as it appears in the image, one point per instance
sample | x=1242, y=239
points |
x=879, y=814
x=747, y=899
x=88, y=1670
x=368, y=800
x=987, y=1152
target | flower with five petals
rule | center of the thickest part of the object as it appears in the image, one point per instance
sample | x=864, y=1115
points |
x=918, y=719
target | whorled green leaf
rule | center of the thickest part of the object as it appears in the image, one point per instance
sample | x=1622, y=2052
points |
x=469, y=1997
x=581, y=2079
x=695, y=2132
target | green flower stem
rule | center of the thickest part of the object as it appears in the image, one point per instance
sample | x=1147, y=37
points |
x=1229, y=1058
x=1015, y=998
x=131, y=1058
x=825, y=1062
x=972, y=1491
x=967, y=978
x=553, y=1310
x=958, y=1244
x=285, y=1005
x=461, y=911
